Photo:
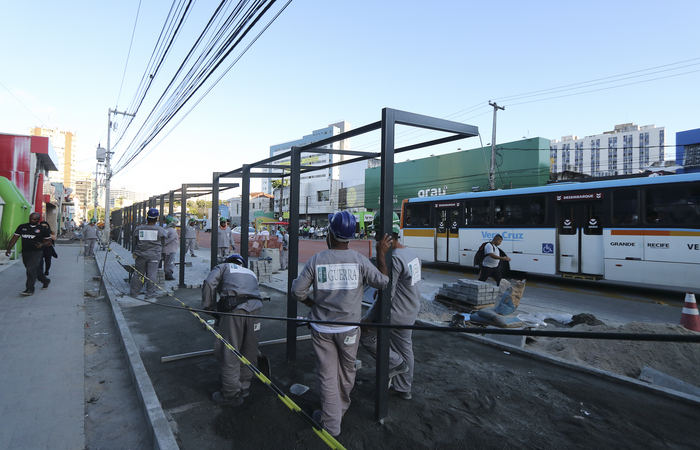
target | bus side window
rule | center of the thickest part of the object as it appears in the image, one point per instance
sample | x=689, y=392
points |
x=625, y=207
x=417, y=215
x=476, y=212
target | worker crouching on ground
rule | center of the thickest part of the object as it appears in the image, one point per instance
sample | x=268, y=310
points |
x=405, y=303
x=147, y=253
x=239, y=294
x=170, y=247
x=337, y=276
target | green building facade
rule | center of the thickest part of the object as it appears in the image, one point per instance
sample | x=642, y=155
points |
x=519, y=164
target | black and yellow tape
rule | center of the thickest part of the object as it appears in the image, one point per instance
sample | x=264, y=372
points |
x=323, y=434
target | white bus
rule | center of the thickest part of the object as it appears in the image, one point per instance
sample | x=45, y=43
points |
x=640, y=230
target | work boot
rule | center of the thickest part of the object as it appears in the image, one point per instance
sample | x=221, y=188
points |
x=221, y=400
x=169, y=276
x=398, y=370
x=403, y=395
x=193, y=255
x=26, y=293
x=45, y=285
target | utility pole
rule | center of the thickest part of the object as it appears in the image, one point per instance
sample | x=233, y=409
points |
x=492, y=172
x=108, y=170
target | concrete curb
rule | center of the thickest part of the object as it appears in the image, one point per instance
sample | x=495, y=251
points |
x=163, y=437
x=670, y=393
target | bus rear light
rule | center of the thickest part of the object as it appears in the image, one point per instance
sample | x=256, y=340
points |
x=618, y=265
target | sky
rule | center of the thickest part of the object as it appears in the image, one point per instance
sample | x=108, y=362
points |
x=559, y=68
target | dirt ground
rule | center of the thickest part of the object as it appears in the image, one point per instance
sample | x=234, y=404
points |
x=465, y=395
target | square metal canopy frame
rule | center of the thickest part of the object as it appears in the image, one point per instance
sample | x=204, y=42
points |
x=390, y=119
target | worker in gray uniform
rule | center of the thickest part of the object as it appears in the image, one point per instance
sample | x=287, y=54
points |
x=91, y=234
x=239, y=294
x=223, y=239
x=148, y=246
x=405, y=303
x=170, y=247
x=337, y=276
x=284, y=250
x=191, y=236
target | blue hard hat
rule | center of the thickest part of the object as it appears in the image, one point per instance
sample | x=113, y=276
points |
x=236, y=259
x=153, y=213
x=342, y=226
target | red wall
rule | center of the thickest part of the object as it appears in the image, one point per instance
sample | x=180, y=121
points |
x=15, y=162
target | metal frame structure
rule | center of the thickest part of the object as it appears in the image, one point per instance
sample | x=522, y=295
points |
x=134, y=215
x=390, y=119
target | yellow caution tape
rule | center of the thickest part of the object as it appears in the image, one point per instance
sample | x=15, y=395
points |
x=323, y=434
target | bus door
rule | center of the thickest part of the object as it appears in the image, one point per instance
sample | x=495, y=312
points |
x=447, y=233
x=580, y=234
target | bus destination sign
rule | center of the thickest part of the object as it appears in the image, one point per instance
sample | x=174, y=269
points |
x=581, y=196
x=446, y=205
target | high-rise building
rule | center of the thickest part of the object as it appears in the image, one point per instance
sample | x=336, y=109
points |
x=65, y=145
x=626, y=150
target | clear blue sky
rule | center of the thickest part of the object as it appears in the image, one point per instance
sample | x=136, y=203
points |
x=322, y=62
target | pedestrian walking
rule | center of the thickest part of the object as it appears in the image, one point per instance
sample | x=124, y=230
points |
x=191, y=236
x=239, y=294
x=284, y=250
x=491, y=265
x=148, y=246
x=337, y=276
x=48, y=252
x=34, y=238
x=170, y=247
x=91, y=234
x=405, y=303
x=224, y=240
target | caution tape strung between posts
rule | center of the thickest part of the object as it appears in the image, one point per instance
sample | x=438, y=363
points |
x=470, y=330
x=323, y=434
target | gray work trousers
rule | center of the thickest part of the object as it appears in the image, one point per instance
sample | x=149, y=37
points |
x=400, y=350
x=284, y=259
x=190, y=245
x=243, y=334
x=150, y=269
x=90, y=247
x=222, y=252
x=31, y=262
x=169, y=263
x=335, y=366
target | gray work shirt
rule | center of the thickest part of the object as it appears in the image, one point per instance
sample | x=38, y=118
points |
x=223, y=237
x=171, y=243
x=338, y=278
x=91, y=232
x=149, y=241
x=190, y=232
x=405, y=288
x=235, y=281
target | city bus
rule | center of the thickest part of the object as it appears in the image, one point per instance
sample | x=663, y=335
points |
x=639, y=230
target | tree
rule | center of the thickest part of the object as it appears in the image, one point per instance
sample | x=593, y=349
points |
x=276, y=184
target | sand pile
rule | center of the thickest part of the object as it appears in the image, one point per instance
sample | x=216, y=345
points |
x=679, y=360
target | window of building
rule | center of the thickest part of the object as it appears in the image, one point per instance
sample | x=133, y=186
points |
x=477, y=212
x=419, y=215
x=625, y=207
x=691, y=155
x=553, y=159
x=323, y=196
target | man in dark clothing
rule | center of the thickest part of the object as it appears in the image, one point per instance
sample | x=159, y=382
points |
x=34, y=238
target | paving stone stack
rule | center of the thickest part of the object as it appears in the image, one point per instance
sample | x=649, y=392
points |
x=467, y=295
x=160, y=278
x=262, y=269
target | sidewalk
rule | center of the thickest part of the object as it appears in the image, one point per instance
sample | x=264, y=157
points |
x=41, y=357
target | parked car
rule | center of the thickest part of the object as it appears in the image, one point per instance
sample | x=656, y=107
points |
x=237, y=230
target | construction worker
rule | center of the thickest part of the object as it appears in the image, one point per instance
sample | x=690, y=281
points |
x=239, y=294
x=224, y=241
x=337, y=276
x=91, y=234
x=170, y=247
x=405, y=303
x=191, y=236
x=284, y=250
x=148, y=245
